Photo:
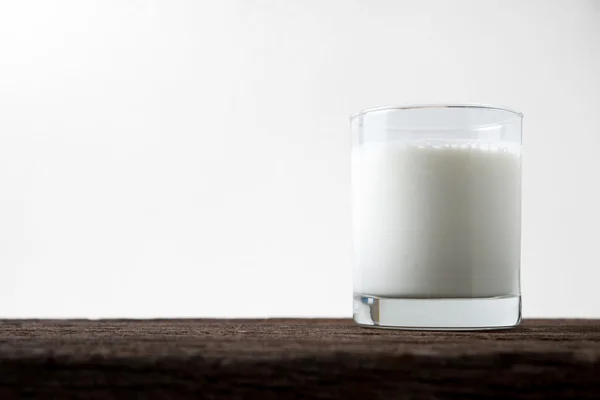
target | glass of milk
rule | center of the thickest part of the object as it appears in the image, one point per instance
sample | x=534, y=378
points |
x=436, y=209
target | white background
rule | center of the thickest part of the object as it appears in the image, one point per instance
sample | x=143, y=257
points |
x=191, y=158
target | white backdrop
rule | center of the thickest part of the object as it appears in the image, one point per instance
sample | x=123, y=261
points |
x=191, y=158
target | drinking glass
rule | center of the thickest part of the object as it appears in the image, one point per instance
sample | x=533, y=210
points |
x=436, y=210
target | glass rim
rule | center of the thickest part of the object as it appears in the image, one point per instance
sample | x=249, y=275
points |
x=431, y=106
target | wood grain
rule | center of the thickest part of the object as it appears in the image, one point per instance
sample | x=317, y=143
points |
x=294, y=359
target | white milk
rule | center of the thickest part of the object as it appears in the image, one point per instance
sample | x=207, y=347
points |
x=435, y=221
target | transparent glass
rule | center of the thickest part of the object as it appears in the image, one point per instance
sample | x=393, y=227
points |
x=436, y=210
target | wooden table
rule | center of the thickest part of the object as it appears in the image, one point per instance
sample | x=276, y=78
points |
x=293, y=359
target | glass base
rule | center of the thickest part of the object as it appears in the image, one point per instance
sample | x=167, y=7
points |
x=460, y=314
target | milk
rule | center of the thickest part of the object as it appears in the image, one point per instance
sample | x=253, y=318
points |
x=436, y=219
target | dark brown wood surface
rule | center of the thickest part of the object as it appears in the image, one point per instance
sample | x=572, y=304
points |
x=293, y=359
